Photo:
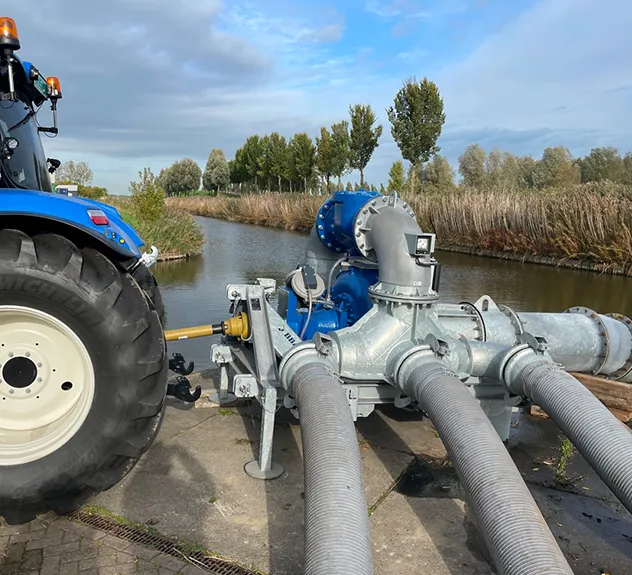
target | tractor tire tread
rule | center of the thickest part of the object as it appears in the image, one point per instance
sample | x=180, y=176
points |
x=120, y=309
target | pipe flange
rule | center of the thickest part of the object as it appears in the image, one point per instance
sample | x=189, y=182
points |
x=603, y=332
x=513, y=317
x=372, y=207
x=307, y=347
x=479, y=319
x=626, y=369
x=320, y=224
x=376, y=292
x=418, y=349
x=514, y=352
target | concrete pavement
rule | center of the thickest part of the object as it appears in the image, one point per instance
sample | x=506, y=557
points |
x=191, y=485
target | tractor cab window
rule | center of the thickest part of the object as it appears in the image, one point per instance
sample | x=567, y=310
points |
x=26, y=168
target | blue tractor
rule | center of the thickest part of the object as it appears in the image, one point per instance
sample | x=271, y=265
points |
x=83, y=367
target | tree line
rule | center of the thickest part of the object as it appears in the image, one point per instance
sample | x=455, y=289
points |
x=301, y=164
x=477, y=169
x=274, y=163
x=503, y=171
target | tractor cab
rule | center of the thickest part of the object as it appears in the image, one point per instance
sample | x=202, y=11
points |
x=23, y=90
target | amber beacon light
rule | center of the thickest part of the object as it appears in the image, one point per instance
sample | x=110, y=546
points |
x=9, y=34
x=54, y=87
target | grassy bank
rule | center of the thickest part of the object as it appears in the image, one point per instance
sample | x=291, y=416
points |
x=175, y=234
x=589, y=223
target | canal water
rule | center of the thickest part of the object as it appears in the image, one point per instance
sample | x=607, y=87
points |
x=194, y=291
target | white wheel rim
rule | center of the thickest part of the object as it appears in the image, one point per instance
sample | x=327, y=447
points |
x=46, y=384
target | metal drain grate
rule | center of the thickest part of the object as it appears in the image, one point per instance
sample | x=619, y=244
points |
x=213, y=565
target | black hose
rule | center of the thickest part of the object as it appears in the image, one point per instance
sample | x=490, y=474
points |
x=603, y=440
x=515, y=532
x=337, y=538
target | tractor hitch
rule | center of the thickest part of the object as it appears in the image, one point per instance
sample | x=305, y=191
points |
x=181, y=390
x=178, y=365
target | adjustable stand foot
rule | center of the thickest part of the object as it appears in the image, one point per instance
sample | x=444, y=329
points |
x=252, y=468
x=216, y=397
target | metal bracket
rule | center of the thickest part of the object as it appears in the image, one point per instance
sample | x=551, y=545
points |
x=324, y=343
x=268, y=285
x=245, y=385
x=267, y=378
x=221, y=355
x=486, y=303
x=538, y=344
x=439, y=346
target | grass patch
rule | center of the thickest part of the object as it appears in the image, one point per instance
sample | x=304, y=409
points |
x=587, y=222
x=227, y=411
x=174, y=233
x=190, y=547
x=100, y=511
x=566, y=453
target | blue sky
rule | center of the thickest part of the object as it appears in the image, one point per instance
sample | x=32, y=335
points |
x=147, y=82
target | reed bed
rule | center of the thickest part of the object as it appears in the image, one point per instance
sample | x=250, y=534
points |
x=175, y=234
x=587, y=223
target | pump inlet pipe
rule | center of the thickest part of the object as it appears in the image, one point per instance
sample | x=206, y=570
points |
x=359, y=323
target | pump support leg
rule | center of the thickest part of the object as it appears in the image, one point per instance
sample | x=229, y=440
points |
x=265, y=468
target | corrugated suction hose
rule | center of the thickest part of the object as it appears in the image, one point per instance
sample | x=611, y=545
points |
x=337, y=539
x=516, y=534
x=603, y=440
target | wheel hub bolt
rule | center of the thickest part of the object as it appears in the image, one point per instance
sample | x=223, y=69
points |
x=38, y=365
x=39, y=379
x=27, y=354
x=10, y=354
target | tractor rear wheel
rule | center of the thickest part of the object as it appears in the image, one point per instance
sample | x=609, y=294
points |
x=83, y=374
x=147, y=282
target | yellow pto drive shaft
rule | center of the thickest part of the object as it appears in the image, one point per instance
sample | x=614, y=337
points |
x=237, y=326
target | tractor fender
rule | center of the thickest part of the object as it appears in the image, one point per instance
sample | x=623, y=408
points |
x=117, y=236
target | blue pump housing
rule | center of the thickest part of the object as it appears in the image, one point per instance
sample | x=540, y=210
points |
x=73, y=212
x=336, y=218
x=349, y=299
x=349, y=302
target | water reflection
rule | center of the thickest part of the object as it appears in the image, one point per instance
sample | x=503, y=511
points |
x=194, y=291
x=531, y=287
x=179, y=273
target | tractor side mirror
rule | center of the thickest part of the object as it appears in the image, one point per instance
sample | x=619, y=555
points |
x=54, y=164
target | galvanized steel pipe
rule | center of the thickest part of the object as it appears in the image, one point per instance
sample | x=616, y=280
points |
x=582, y=341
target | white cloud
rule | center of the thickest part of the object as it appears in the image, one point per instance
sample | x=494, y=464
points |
x=557, y=74
x=397, y=8
x=147, y=82
x=562, y=65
